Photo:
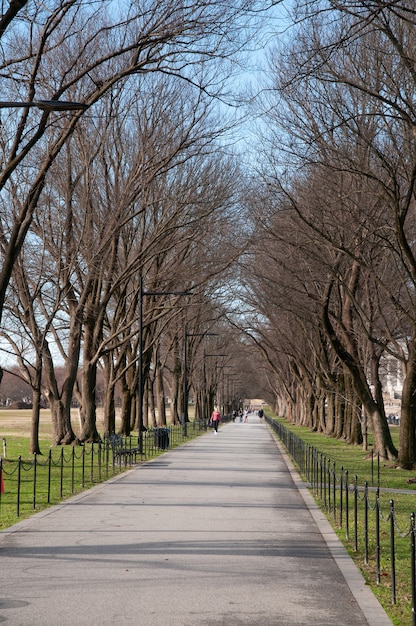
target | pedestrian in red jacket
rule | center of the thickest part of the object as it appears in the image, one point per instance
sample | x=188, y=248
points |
x=215, y=419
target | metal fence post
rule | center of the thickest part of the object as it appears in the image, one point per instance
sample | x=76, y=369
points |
x=35, y=465
x=61, y=481
x=378, y=572
x=92, y=463
x=412, y=546
x=73, y=470
x=392, y=554
x=347, y=506
x=366, y=523
x=355, y=513
x=329, y=484
x=19, y=475
x=83, y=466
x=49, y=475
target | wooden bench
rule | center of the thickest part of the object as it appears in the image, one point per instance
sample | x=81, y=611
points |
x=123, y=450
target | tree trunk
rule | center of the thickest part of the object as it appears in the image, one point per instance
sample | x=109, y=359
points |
x=134, y=418
x=34, y=425
x=383, y=444
x=330, y=411
x=160, y=396
x=407, y=443
x=150, y=404
x=126, y=402
x=61, y=401
x=61, y=419
x=36, y=398
x=89, y=431
x=109, y=409
x=176, y=395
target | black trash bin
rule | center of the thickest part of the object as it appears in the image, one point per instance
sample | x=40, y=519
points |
x=162, y=438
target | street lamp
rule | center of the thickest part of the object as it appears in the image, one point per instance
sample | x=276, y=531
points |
x=143, y=293
x=45, y=105
x=185, y=374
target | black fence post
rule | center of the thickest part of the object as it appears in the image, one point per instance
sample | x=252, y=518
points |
x=49, y=475
x=329, y=485
x=355, y=513
x=347, y=506
x=73, y=470
x=83, y=466
x=92, y=463
x=19, y=476
x=107, y=454
x=100, y=452
x=320, y=476
x=61, y=480
x=35, y=466
x=366, y=523
x=377, y=509
x=413, y=583
x=392, y=554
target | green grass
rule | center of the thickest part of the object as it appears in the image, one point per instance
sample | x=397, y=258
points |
x=360, y=463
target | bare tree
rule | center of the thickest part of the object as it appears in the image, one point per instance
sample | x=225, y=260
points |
x=85, y=52
x=345, y=119
x=81, y=52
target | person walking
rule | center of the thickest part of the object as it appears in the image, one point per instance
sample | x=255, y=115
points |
x=215, y=419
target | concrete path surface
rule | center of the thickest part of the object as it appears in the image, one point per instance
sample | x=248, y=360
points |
x=215, y=532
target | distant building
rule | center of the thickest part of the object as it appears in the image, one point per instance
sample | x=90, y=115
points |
x=255, y=403
x=392, y=377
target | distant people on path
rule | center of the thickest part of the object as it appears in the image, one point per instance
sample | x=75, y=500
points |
x=215, y=419
x=260, y=413
x=234, y=415
x=241, y=415
x=245, y=415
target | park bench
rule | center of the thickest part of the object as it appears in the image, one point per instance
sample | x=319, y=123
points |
x=123, y=450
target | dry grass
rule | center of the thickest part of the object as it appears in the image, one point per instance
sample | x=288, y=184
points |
x=17, y=422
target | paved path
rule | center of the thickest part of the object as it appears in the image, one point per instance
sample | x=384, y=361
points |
x=215, y=532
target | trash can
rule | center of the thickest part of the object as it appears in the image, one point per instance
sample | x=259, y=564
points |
x=162, y=438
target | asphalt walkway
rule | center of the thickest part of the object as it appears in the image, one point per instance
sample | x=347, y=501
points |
x=219, y=531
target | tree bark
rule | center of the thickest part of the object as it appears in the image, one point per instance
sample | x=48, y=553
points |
x=407, y=442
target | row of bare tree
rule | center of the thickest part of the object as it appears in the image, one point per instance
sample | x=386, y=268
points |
x=332, y=271
x=139, y=186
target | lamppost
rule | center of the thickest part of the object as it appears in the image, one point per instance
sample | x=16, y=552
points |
x=45, y=105
x=185, y=374
x=142, y=294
